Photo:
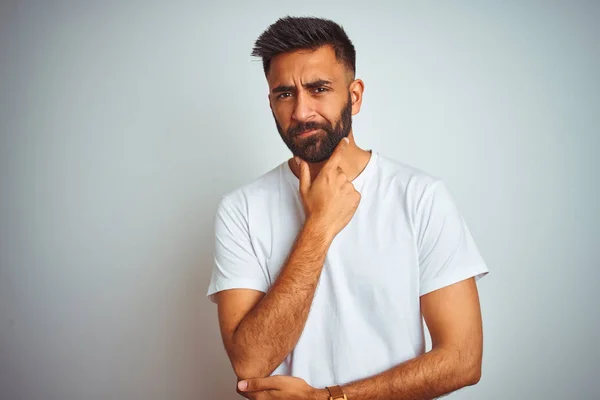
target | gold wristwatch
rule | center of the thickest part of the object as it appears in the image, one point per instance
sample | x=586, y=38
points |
x=336, y=393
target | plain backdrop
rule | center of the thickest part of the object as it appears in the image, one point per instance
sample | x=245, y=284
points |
x=123, y=123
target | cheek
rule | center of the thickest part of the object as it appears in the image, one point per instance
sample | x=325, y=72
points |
x=331, y=109
x=282, y=111
x=283, y=115
x=281, y=120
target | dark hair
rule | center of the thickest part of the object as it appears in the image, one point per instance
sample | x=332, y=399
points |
x=296, y=33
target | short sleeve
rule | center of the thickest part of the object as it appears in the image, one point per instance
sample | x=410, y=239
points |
x=447, y=251
x=235, y=263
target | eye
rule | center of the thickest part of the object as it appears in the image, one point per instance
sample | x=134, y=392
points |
x=284, y=95
x=319, y=90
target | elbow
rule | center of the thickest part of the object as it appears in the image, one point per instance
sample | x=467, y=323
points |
x=472, y=373
x=466, y=367
x=246, y=363
x=243, y=370
x=473, y=377
x=249, y=369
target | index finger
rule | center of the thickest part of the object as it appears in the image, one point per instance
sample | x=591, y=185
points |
x=337, y=155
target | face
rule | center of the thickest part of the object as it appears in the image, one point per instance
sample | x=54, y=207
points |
x=311, y=97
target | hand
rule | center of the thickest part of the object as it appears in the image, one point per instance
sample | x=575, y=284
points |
x=330, y=199
x=280, y=387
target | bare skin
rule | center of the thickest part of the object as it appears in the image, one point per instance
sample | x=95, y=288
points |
x=259, y=330
x=304, y=103
x=454, y=320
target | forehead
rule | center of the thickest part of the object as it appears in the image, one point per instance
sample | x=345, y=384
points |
x=304, y=66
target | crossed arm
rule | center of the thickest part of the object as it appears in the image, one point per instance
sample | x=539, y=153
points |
x=453, y=317
x=259, y=330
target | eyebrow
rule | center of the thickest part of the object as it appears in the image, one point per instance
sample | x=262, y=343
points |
x=308, y=85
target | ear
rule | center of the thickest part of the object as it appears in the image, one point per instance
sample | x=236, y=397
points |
x=356, y=89
x=270, y=106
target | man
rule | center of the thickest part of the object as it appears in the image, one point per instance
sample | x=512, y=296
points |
x=325, y=265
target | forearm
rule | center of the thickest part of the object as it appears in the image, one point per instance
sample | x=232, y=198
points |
x=270, y=331
x=428, y=376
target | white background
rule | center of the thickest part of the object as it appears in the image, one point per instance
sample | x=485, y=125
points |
x=123, y=123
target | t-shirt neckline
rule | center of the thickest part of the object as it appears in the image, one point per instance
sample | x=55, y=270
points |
x=357, y=182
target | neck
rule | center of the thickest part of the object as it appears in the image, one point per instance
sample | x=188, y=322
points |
x=354, y=161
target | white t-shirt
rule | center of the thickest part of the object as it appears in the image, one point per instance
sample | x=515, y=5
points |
x=406, y=239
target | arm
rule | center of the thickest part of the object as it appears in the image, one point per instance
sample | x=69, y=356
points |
x=449, y=263
x=260, y=331
x=453, y=317
x=454, y=320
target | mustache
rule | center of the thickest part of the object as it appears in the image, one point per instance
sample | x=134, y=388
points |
x=307, y=126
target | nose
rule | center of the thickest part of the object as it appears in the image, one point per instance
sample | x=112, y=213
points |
x=303, y=108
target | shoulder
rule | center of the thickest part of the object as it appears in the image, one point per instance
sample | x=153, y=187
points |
x=259, y=189
x=426, y=198
x=411, y=181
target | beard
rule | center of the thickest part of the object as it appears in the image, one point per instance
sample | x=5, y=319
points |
x=319, y=146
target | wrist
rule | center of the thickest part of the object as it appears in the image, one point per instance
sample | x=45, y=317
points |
x=316, y=228
x=321, y=394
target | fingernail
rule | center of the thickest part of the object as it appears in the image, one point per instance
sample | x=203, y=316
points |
x=347, y=140
x=297, y=160
x=242, y=385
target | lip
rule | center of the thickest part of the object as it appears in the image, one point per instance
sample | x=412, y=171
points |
x=307, y=133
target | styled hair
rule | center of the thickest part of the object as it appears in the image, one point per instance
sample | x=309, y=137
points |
x=298, y=33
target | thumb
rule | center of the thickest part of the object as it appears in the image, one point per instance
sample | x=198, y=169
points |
x=258, y=384
x=242, y=385
x=304, y=176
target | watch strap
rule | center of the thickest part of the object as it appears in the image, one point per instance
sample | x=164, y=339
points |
x=336, y=392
